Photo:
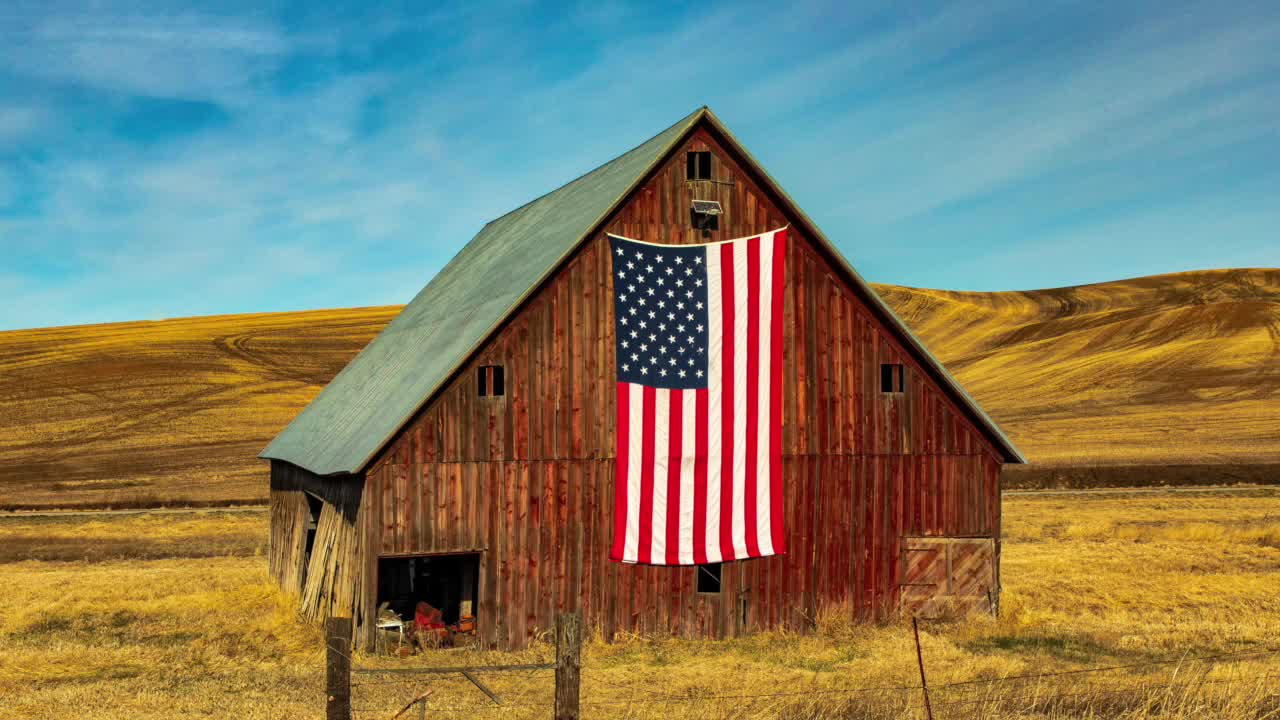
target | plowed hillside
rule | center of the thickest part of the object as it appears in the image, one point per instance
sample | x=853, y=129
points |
x=1178, y=368
x=1181, y=368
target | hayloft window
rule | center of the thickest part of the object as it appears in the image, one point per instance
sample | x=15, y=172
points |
x=709, y=578
x=698, y=165
x=490, y=381
x=891, y=377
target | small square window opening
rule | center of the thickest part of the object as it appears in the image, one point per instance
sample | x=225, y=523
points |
x=709, y=578
x=698, y=165
x=490, y=381
x=891, y=377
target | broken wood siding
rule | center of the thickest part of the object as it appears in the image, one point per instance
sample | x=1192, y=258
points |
x=527, y=478
x=334, y=581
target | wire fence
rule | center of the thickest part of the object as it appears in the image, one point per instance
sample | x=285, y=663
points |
x=376, y=694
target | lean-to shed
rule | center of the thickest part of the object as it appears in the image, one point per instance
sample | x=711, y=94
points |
x=466, y=455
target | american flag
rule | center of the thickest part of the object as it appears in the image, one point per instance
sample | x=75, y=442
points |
x=699, y=354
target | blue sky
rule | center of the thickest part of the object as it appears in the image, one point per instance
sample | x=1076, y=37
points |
x=159, y=161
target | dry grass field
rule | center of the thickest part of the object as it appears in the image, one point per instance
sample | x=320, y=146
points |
x=172, y=617
x=1172, y=369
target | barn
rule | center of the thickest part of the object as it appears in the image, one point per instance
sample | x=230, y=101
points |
x=466, y=456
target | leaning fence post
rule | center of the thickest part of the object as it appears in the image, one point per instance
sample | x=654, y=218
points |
x=337, y=640
x=568, y=665
x=924, y=685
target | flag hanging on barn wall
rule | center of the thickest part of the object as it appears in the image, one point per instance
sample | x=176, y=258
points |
x=699, y=358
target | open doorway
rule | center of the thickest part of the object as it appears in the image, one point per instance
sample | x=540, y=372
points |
x=449, y=583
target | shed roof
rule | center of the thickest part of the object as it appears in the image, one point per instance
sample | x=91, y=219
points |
x=379, y=391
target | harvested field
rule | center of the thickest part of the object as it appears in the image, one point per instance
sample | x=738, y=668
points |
x=1175, y=369
x=1091, y=579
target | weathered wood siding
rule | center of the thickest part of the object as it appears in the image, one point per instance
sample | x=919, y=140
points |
x=528, y=478
x=334, y=581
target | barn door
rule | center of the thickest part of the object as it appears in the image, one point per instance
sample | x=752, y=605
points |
x=947, y=576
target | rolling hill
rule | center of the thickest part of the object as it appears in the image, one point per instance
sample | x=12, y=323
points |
x=1173, y=369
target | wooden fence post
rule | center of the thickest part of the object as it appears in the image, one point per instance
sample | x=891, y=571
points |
x=337, y=637
x=568, y=665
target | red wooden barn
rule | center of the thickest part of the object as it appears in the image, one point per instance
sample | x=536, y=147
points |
x=466, y=456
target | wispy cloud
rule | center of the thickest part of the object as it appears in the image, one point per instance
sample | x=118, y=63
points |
x=178, y=162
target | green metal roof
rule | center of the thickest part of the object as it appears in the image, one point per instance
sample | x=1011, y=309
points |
x=382, y=387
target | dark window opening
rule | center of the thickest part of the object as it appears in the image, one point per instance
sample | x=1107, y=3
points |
x=891, y=377
x=490, y=381
x=703, y=221
x=698, y=165
x=448, y=583
x=709, y=578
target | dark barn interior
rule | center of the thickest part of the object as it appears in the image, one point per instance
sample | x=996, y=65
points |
x=444, y=582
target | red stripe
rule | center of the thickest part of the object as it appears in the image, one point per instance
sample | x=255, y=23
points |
x=644, y=547
x=700, y=403
x=673, y=478
x=775, y=388
x=620, y=477
x=752, y=387
x=726, y=411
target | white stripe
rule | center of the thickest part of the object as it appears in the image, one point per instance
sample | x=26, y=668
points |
x=764, y=429
x=715, y=356
x=688, y=455
x=661, y=454
x=635, y=436
x=741, y=382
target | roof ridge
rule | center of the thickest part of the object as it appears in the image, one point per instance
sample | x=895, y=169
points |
x=686, y=119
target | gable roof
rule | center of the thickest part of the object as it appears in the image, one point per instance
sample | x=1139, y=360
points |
x=380, y=390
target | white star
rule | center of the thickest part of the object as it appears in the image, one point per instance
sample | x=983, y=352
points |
x=662, y=327
x=663, y=349
x=633, y=335
x=691, y=363
x=622, y=320
x=624, y=343
x=671, y=293
x=640, y=301
x=622, y=298
x=644, y=370
x=690, y=316
x=631, y=310
x=631, y=265
x=681, y=372
x=652, y=314
x=634, y=357
x=673, y=361
x=640, y=279
x=624, y=367
x=662, y=303
x=699, y=373
x=699, y=328
x=689, y=294
x=649, y=290
x=679, y=306
x=699, y=306
x=622, y=275
x=679, y=283
x=688, y=271
x=690, y=339
x=698, y=282
x=679, y=328
x=619, y=249
x=642, y=324
x=657, y=258
x=648, y=268
x=644, y=348
x=697, y=259
x=670, y=270
x=631, y=288
x=671, y=339
x=653, y=359
x=682, y=349
x=663, y=372
x=639, y=255
x=679, y=260
x=659, y=281
x=671, y=316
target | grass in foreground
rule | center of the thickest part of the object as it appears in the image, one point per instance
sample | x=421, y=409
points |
x=1090, y=580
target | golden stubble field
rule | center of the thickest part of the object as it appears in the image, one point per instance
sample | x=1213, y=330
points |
x=163, y=616
x=1178, y=368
